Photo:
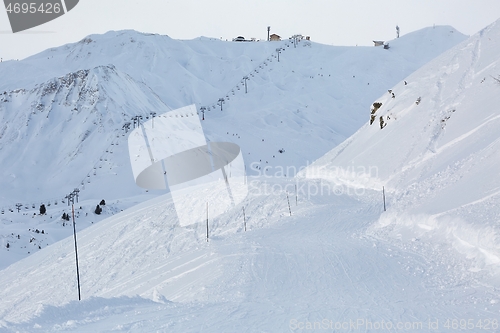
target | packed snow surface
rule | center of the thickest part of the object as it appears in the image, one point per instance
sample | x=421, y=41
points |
x=141, y=272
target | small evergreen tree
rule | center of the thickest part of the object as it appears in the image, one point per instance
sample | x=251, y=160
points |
x=98, y=210
x=43, y=210
x=102, y=203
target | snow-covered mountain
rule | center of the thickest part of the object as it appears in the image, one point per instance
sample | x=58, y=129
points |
x=63, y=110
x=62, y=132
x=434, y=145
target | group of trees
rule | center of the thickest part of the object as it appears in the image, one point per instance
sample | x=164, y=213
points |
x=65, y=216
x=97, y=210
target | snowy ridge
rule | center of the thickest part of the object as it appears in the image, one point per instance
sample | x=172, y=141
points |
x=434, y=146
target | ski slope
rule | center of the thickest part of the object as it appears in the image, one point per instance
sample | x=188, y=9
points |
x=142, y=272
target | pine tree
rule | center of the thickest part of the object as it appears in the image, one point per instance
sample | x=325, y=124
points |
x=98, y=210
x=43, y=210
x=102, y=203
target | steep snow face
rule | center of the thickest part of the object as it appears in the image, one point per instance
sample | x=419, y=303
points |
x=434, y=145
x=58, y=135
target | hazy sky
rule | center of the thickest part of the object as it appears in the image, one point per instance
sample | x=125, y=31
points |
x=334, y=22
